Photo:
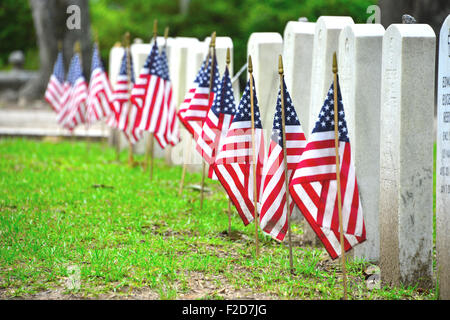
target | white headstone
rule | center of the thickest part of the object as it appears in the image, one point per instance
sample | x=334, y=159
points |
x=297, y=60
x=188, y=54
x=406, y=155
x=265, y=48
x=115, y=59
x=326, y=40
x=443, y=164
x=359, y=67
x=325, y=43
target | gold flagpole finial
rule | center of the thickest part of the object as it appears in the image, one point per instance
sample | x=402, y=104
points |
x=127, y=39
x=155, y=28
x=213, y=40
x=77, y=47
x=250, y=65
x=166, y=33
x=59, y=45
x=95, y=36
x=280, y=65
x=228, y=57
x=335, y=67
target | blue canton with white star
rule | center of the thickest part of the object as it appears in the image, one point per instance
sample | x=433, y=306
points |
x=58, y=69
x=243, y=113
x=123, y=66
x=291, y=118
x=74, y=70
x=200, y=72
x=205, y=77
x=325, y=120
x=224, y=99
x=164, y=66
x=96, y=62
x=153, y=63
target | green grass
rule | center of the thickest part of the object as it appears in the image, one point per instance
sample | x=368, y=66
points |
x=62, y=205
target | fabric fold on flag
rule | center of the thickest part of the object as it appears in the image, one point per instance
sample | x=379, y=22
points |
x=124, y=118
x=314, y=186
x=148, y=96
x=172, y=132
x=273, y=217
x=194, y=113
x=55, y=87
x=217, y=123
x=73, y=102
x=101, y=97
x=234, y=161
x=190, y=94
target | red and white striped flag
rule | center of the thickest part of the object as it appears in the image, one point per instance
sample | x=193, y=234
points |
x=234, y=162
x=124, y=118
x=217, y=123
x=172, y=132
x=273, y=217
x=73, y=101
x=314, y=186
x=55, y=87
x=100, y=98
x=148, y=96
x=195, y=114
x=190, y=94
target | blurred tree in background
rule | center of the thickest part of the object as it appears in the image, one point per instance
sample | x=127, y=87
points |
x=234, y=18
x=190, y=18
x=17, y=32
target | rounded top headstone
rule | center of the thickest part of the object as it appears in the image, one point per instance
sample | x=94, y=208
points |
x=303, y=19
x=16, y=59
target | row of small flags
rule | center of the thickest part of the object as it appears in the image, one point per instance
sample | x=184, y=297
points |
x=151, y=109
x=224, y=135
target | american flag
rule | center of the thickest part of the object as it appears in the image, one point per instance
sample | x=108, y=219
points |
x=217, y=123
x=100, y=98
x=73, y=101
x=172, y=133
x=234, y=162
x=202, y=99
x=314, y=186
x=273, y=218
x=122, y=118
x=148, y=96
x=55, y=87
x=190, y=94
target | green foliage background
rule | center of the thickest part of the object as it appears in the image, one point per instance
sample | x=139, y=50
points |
x=234, y=18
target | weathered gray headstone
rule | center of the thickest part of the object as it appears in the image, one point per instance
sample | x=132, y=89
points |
x=359, y=65
x=297, y=59
x=265, y=48
x=406, y=155
x=115, y=59
x=443, y=164
x=326, y=40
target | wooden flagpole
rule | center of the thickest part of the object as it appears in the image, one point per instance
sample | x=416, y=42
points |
x=188, y=150
x=212, y=46
x=338, y=178
x=255, y=201
x=117, y=137
x=229, y=199
x=149, y=150
x=102, y=122
x=286, y=175
x=77, y=49
x=128, y=51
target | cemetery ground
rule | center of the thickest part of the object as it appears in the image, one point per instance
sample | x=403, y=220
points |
x=64, y=205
